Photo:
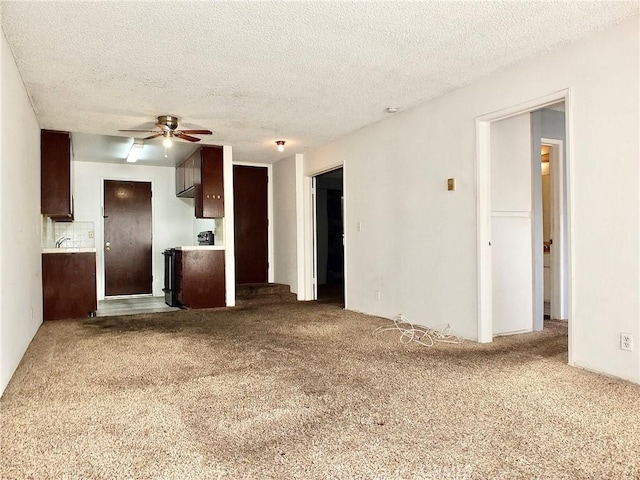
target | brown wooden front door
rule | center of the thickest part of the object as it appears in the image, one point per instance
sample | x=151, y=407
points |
x=127, y=238
x=250, y=223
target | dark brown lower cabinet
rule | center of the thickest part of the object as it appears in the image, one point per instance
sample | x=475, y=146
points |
x=68, y=285
x=199, y=278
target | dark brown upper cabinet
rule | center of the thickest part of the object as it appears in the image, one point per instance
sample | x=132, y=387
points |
x=200, y=177
x=186, y=175
x=209, y=198
x=55, y=165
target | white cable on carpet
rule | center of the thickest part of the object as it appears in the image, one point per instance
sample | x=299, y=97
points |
x=420, y=334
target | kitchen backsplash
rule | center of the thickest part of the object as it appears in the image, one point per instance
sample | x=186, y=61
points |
x=82, y=234
x=79, y=234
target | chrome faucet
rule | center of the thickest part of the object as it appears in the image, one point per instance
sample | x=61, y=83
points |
x=61, y=240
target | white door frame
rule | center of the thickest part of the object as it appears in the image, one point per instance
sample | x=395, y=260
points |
x=314, y=239
x=483, y=205
x=306, y=270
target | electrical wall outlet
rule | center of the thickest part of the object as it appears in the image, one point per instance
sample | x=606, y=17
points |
x=626, y=341
x=378, y=295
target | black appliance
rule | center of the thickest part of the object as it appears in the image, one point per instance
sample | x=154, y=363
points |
x=170, y=294
x=206, y=238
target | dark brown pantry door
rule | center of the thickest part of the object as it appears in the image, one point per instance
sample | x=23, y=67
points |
x=250, y=223
x=127, y=237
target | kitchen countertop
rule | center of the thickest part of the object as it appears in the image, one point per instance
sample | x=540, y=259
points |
x=69, y=250
x=200, y=247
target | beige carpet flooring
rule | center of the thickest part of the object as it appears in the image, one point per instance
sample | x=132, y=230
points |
x=305, y=391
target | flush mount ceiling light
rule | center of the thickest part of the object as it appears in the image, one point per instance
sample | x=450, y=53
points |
x=280, y=144
x=392, y=109
x=134, y=153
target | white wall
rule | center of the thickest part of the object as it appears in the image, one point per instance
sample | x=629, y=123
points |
x=20, y=220
x=285, y=223
x=417, y=244
x=173, y=217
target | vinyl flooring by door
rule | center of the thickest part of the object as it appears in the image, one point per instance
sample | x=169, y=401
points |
x=111, y=307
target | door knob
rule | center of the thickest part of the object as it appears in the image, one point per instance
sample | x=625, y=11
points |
x=107, y=244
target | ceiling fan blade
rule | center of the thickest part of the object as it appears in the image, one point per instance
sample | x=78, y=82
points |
x=186, y=137
x=146, y=131
x=152, y=136
x=197, y=132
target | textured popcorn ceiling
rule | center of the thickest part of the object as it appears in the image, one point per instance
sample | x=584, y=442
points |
x=256, y=72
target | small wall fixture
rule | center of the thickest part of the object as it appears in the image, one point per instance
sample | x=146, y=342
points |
x=280, y=144
x=451, y=184
x=134, y=153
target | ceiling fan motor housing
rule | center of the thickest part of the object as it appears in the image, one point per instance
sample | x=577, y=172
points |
x=168, y=121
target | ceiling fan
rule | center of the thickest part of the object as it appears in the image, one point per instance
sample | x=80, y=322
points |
x=168, y=125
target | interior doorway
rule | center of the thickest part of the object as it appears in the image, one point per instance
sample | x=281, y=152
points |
x=527, y=220
x=553, y=235
x=548, y=133
x=329, y=236
x=547, y=219
x=127, y=245
x=510, y=218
